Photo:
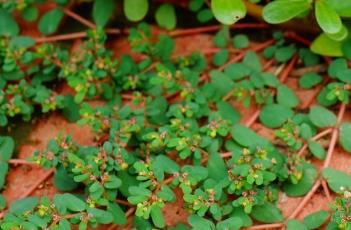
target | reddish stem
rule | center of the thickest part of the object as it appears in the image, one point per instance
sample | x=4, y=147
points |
x=79, y=18
x=207, y=29
x=316, y=137
x=20, y=162
x=37, y=183
x=265, y=226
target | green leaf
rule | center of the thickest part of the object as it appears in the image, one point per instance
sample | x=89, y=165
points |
x=337, y=66
x=157, y=216
x=216, y=167
x=22, y=42
x=274, y=115
x=73, y=203
x=102, y=11
x=199, y=223
x=64, y=225
x=237, y=71
x=101, y=216
x=2, y=202
x=345, y=136
x=50, y=21
x=322, y=117
x=30, y=14
x=316, y=219
x=63, y=181
x=228, y=11
x=327, y=18
x=71, y=109
x=339, y=36
x=273, y=11
x=220, y=58
x=284, y=54
x=308, y=80
x=135, y=10
x=7, y=147
x=118, y=214
x=232, y=223
x=317, y=149
x=240, y=41
x=4, y=167
x=8, y=25
x=252, y=61
x=287, y=97
x=267, y=213
x=228, y=111
x=304, y=185
x=346, y=49
x=166, y=17
x=221, y=82
x=343, y=8
x=324, y=45
x=244, y=136
x=338, y=181
x=295, y=225
x=18, y=207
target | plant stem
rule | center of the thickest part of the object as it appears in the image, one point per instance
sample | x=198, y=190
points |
x=208, y=29
x=31, y=189
x=265, y=226
x=79, y=18
x=21, y=162
x=326, y=163
x=316, y=137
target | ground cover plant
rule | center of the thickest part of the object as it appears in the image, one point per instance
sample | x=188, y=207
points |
x=222, y=114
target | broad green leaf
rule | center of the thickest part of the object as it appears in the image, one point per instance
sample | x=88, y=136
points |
x=102, y=11
x=346, y=49
x=50, y=21
x=64, y=225
x=324, y=45
x=336, y=66
x=220, y=58
x=118, y=214
x=295, y=225
x=2, y=202
x=135, y=10
x=273, y=11
x=73, y=203
x=244, y=136
x=316, y=219
x=240, y=213
x=274, y=115
x=284, y=54
x=228, y=11
x=228, y=111
x=8, y=25
x=322, y=117
x=216, y=167
x=4, y=167
x=337, y=180
x=63, y=181
x=101, y=216
x=267, y=213
x=240, y=41
x=345, y=136
x=30, y=13
x=252, y=61
x=237, y=71
x=327, y=18
x=157, y=216
x=18, y=207
x=7, y=147
x=287, y=97
x=317, y=149
x=221, y=82
x=308, y=80
x=166, y=16
x=22, y=42
x=232, y=223
x=343, y=8
x=199, y=223
x=340, y=35
x=304, y=185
